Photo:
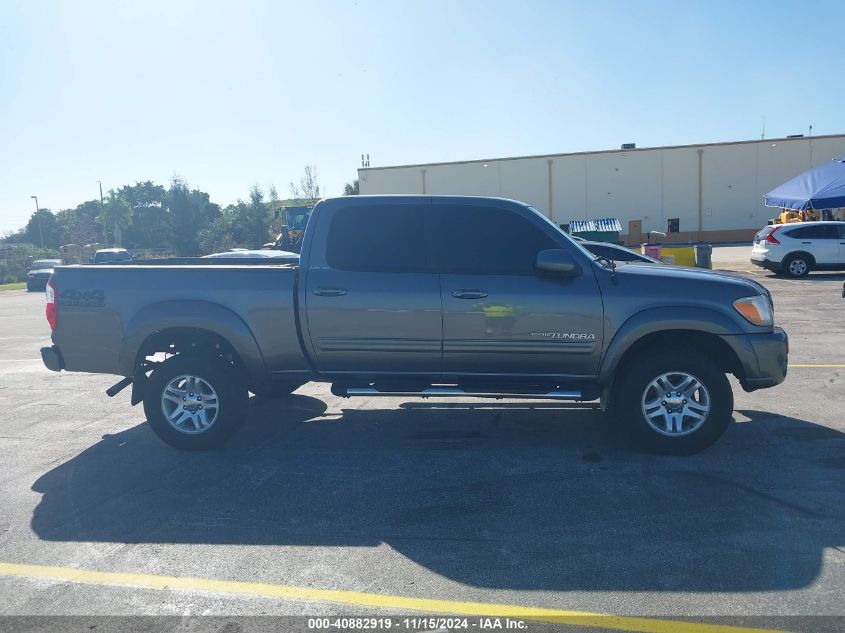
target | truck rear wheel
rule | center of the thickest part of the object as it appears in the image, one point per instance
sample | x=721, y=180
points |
x=195, y=403
x=674, y=404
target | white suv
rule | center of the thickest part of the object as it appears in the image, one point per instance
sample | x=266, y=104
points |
x=797, y=248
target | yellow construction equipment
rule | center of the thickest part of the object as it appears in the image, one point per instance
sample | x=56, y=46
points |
x=788, y=216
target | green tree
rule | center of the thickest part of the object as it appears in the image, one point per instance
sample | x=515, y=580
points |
x=150, y=228
x=80, y=225
x=143, y=194
x=351, y=188
x=116, y=216
x=220, y=234
x=189, y=211
x=42, y=229
x=252, y=220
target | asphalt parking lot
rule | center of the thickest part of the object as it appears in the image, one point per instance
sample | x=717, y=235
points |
x=512, y=504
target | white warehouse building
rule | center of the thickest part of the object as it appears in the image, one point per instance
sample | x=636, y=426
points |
x=712, y=192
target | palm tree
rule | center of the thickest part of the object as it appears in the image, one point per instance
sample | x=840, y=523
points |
x=117, y=214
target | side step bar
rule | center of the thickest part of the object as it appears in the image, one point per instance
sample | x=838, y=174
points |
x=453, y=392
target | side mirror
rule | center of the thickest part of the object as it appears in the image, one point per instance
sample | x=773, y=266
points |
x=557, y=262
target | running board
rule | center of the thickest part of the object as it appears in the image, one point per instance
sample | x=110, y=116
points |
x=457, y=392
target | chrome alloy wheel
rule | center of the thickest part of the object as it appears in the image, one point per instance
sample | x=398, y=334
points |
x=675, y=404
x=797, y=267
x=189, y=404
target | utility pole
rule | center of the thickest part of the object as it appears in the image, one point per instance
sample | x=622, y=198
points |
x=40, y=223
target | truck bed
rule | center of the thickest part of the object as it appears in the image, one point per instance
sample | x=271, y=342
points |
x=107, y=311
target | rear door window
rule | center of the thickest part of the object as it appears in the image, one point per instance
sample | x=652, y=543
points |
x=818, y=232
x=385, y=238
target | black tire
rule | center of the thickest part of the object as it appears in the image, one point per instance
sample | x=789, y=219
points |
x=797, y=265
x=631, y=391
x=231, y=396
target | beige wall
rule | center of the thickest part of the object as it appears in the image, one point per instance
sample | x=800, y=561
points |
x=651, y=185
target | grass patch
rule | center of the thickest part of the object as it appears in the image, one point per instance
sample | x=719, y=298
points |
x=19, y=285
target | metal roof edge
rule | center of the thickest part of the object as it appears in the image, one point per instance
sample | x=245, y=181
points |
x=600, y=151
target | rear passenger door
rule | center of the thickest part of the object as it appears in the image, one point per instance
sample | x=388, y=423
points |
x=372, y=295
x=501, y=318
x=820, y=240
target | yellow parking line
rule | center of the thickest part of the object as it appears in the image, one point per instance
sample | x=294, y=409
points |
x=379, y=601
x=792, y=365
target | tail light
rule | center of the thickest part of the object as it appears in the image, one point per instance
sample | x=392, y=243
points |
x=52, y=305
x=770, y=238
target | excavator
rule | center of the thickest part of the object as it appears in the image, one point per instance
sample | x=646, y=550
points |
x=787, y=216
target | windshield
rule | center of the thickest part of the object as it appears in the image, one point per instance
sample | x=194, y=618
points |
x=296, y=220
x=42, y=264
x=112, y=256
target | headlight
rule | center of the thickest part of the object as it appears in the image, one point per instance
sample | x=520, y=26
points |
x=756, y=309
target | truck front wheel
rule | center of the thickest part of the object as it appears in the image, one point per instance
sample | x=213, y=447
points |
x=195, y=403
x=674, y=404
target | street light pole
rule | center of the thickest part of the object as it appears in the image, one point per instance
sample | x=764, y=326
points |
x=40, y=225
x=102, y=207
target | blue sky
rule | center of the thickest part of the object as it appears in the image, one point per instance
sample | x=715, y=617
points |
x=228, y=94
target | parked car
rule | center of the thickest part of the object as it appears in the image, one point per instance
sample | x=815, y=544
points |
x=260, y=253
x=617, y=253
x=798, y=248
x=109, y=255
x=39, y=273
x=451, y=296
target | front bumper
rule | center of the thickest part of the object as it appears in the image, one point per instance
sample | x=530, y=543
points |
x=52, y=358
x=766, y=263
x=772, y=351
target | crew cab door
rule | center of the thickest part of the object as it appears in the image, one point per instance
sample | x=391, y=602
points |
x=372, y=296
x=500, y=317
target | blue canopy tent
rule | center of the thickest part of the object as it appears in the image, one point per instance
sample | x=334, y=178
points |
x=822, y=187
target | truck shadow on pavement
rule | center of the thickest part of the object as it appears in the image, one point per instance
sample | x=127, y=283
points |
x=537, y=496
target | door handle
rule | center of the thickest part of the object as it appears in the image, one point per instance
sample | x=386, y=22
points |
x=329, y=292
x=806, y=242
x=469, y=293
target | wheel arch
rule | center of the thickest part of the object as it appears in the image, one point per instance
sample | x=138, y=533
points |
x=686, y=329
x=791, y=254
x=183, y=325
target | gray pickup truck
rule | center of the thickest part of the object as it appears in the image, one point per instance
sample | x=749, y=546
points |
x=421, y=296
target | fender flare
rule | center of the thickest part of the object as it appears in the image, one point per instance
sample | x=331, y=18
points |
x=653, y=320
x=202, y=315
